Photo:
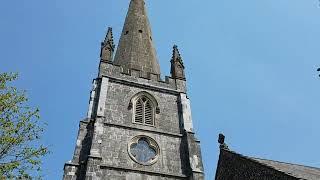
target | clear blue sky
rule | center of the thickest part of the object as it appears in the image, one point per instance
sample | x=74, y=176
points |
x=251, y=69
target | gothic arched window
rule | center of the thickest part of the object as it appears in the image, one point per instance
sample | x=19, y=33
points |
x=144, y=109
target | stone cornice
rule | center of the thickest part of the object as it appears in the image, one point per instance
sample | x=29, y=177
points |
x=143, y=85
x=144, y=171
x=71, y=164
x=143, y=129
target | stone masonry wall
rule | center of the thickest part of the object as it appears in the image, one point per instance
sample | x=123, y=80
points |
x=76, y=168
x=115, y=151
x=121, y=175
x=119, y=130
x=102, y=147
x=118, y=99
x=136, y=76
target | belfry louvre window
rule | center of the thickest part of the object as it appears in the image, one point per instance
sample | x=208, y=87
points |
x=144, y=111
x=139, y=111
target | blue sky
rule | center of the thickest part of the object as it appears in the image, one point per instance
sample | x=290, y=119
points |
x=251, y=69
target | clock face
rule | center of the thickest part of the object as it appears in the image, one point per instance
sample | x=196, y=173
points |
x=143, y=150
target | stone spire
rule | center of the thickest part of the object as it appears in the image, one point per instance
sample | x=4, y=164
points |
x=136, y=50
x=177, y=67
x=107, y=47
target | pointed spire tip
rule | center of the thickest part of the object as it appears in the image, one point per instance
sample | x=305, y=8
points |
x=177, y=67
x=136, y=49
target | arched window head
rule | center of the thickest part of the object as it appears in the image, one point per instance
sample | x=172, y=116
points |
x=143, y=111
x=144, y=107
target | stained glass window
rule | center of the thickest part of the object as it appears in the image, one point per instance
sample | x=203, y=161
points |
x=142, y=151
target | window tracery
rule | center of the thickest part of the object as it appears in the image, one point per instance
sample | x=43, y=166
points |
x=144, y=109
x=143, y=150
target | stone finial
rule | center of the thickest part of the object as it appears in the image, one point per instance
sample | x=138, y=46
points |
x=221, y=139
x=136, y=49
x=177, y=67
x=109, y=36
x=107, y=47
x=176, y=54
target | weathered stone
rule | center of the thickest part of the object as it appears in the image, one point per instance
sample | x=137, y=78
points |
x=135, y=50
x=103, y=148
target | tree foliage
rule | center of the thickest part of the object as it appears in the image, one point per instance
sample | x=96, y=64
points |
x=20, y=131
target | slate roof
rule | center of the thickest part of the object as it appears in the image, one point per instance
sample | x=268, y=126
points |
x=300, y=172
x=295, y=170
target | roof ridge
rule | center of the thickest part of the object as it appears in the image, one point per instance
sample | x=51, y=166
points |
x=289, y=163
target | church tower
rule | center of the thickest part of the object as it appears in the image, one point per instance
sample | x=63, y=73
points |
x=138, y=126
